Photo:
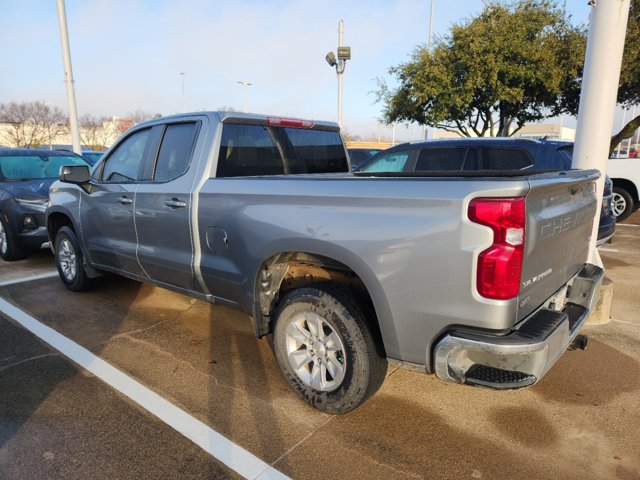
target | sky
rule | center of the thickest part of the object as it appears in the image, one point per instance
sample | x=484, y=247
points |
x=128, y=55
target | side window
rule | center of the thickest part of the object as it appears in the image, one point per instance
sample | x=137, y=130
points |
x=123, y=165
x=440, y=159
x=317, y=151
x=505, y=159
x=247, y=150
x=563, y=157
x=175, y=151
x=390, y=162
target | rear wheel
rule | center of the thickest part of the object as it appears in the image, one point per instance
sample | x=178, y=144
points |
x=325, y=348
x=9, y=251
x=622, y=203
x=69, y=260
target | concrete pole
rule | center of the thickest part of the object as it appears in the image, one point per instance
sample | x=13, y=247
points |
x=68, y=78
x=600, y=80
x=339, y=70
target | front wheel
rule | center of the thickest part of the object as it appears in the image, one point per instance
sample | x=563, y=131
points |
x=326, y=349
x=622, y=203
x=9, y=251
x=69, y=260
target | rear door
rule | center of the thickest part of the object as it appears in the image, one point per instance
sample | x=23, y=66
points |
x=163, y=207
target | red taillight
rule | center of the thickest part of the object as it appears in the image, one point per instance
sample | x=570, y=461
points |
x=500, y=266
x=289, y=122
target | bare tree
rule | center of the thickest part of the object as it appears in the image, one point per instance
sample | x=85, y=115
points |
x=93, y=132
x=31, y=124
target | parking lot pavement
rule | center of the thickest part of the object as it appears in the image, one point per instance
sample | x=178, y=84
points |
x=581, y=421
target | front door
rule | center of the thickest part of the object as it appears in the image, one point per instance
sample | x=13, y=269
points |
x=107, y=217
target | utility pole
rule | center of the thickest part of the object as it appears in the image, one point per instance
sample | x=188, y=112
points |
x=68, y=78
x=244, y=84
x=603, y=60
x=428, y=132
x=344, y=54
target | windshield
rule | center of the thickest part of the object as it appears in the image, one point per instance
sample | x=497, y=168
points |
x=35, y=167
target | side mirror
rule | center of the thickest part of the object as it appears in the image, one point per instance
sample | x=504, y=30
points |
x=77, y=174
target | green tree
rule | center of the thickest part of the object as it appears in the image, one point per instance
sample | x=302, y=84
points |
x=491, y=74
x=629, y=89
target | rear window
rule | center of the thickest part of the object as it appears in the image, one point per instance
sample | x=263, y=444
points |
x=35, y=167
x=505, y=159
x=250, y=150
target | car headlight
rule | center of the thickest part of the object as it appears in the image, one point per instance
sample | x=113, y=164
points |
x=39, y=204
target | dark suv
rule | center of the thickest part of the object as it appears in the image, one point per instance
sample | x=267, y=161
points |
x=25, y=178
x=490, y=154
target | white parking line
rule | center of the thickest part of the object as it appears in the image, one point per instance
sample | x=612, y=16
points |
x=611, y=250
x=626, y=225
x=221, y=448
x=29, y=278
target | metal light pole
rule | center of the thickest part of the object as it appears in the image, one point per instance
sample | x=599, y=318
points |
x=602, y=65
x=68, y=78
x=344, y=54
x=184, y=98
x=427, y=131
x=244, y=84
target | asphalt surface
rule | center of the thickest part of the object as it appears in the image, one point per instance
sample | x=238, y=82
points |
x=59, y=421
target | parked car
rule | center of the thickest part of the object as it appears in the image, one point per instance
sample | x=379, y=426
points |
x=341, y=271
x=625, y=174
x=25, y=178
x=359, y=156
x=493, y=154
x=92, y=156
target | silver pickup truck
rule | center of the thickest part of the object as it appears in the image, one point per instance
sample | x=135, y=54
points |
x=478, y=277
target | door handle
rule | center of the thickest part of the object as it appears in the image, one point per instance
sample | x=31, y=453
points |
x=124, y=201
x=175, y=203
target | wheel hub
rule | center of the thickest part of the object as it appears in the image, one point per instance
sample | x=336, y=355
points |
x=315, y=351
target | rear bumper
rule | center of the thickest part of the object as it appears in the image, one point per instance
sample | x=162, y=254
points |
x=522, y=357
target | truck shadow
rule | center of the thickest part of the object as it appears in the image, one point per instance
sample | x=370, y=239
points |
x=30, y=371
x=592, y=377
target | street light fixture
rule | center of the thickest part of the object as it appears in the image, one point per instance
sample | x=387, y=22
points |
x=344, y=54
x=184, y=101
x=244, y=84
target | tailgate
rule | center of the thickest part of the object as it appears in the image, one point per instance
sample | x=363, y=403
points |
x=561, y=209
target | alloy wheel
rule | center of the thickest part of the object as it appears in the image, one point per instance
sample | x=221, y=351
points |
x=315, y=351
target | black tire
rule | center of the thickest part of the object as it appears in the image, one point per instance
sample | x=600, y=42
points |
x=623, y=203
x=9, y=251
x=353, y=369
x=70, y=261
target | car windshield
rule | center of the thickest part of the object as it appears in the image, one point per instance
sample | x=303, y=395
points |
x=92, y=157
x=35, y=167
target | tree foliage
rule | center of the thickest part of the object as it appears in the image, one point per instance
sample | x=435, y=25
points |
x=629, y=89
x=31, y=124
x=491, y=74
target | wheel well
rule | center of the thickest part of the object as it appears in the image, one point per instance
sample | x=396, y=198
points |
x=55, y=222
x=628, y=185
x=287, y=271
